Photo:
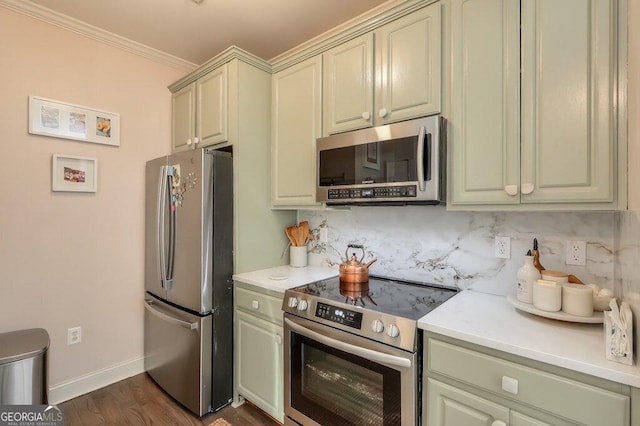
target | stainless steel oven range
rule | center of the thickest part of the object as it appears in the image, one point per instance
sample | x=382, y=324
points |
x=354, y=357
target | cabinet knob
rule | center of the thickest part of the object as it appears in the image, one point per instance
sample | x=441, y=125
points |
x=511, y=189
x=366, y=115
x=255, y=304
x=189, y=142
x=527, y=188
x=382, y=113
x=196, y=140
x=498, y=423
x=278, y=339
x=510, y=385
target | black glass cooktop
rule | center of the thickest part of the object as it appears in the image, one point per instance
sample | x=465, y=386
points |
x=400, y=298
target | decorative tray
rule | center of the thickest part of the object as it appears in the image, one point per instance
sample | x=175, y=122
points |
x=597, y=317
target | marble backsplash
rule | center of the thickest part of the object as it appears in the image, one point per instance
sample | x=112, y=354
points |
x=430, y=244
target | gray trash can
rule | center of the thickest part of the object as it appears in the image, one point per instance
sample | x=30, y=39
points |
x=23, y=367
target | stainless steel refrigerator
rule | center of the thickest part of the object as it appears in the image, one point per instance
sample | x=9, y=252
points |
x=188, y=321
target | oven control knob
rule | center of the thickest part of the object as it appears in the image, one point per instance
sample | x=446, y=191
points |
x=377, y=326
x=303, y=305
x=293, y=302
x=393, y=330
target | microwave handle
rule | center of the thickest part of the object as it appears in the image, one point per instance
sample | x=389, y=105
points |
x=420, y=158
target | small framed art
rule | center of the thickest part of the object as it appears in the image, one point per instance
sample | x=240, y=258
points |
x=74, y=174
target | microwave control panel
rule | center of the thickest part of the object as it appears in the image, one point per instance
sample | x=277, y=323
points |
x=372, y=192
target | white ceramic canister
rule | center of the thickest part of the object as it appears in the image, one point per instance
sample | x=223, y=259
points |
x=577, y=299
x=557, y=276
x=527, y=275
x=547, y=295
x=298, y=256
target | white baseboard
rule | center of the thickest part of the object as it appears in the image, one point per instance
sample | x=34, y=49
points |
x=69, y=389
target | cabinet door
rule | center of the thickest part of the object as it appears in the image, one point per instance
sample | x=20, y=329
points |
x=519, y=419
x=484, y=121
x=568, y=75
x=409, y=66
x=449, y=406
x=259, y=365
x=183, y=105
x=213, y=107
x=347, y=78
x=297, y=115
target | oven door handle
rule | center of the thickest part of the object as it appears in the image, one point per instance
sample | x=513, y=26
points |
x=391, y=360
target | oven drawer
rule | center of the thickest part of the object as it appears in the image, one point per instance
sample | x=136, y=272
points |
x=555, y=394
x=259, y=304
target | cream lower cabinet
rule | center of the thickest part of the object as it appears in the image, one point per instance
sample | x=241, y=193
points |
x=534, y=104
x=258, y=349
x=296, y=124
x=200, y=111
x=469, y=385
x=400, y=62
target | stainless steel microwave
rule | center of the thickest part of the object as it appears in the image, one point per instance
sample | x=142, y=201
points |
x=397, y=163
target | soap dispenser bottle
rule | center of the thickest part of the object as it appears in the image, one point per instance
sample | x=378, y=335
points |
x=527, y=275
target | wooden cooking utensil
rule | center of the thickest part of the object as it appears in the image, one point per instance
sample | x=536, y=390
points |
x=291, y=233
x=573, y=279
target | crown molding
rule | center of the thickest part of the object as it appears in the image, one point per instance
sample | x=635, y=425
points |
x=366, y=22
x=227, y=55
x=49, y=16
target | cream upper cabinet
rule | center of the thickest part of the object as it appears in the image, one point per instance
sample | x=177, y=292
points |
x=212, y=107
x=233, y=92
x=388, y=75
x=543, y=135
x=200, y=111
x=348, y=85
x=408, y=66
x=296, y=124
x=568, y=140
x=183, y=105
x=485, y=102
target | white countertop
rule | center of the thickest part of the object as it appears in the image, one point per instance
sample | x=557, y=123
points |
x=491, y=321
x=285, y=277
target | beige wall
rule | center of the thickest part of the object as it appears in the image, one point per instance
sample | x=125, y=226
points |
x=72, y=259
x=633, y=107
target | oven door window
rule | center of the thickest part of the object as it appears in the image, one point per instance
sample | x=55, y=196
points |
x=333, y=387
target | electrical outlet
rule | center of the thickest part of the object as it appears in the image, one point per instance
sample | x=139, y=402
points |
x=576, y=253
x=74, y=335
x=503, y=247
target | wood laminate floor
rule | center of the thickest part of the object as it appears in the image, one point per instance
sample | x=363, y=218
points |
x=139, y=401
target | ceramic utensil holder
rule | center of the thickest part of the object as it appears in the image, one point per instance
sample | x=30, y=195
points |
x=298, y=256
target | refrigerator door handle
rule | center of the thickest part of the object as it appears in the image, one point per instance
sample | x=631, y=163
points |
x=172, y=236
x=160, y=218
x=148, y=304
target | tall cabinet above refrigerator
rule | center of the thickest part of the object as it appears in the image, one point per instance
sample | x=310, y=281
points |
x=188, y=323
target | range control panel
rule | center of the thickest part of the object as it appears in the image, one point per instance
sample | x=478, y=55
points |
x=339, y=315
x=372, y=192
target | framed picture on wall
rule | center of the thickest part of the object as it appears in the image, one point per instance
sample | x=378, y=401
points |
x=63, y=120
x=74, y=174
